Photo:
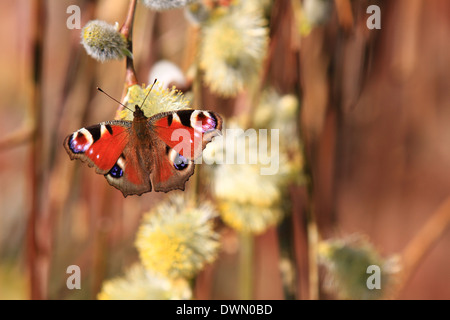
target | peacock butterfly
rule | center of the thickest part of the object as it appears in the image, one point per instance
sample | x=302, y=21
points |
x=135, y=155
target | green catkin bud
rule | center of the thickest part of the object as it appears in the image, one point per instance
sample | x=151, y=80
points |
x=347, y=262
x=160, y=5
x=196, y=13
x=103, y=41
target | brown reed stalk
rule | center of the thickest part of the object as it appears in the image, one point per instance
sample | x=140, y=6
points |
x=312, y=231
x=344, y=14
x=80, y=69
x=282, y=19
x=309, y=151
x=422, y=243
x=71, y=76
x=287, y=264
x=246, y=272
x=17, y=138
x=127, y=31
x=38, y=247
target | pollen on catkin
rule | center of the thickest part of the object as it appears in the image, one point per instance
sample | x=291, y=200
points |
x=141, y=284
x=103, y=41
x=159, y=100
x=233, y=47
x=177, y=238
x=160, y=5
x=248, y=201
x=280, y=112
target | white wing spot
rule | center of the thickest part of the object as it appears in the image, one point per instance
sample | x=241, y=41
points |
x=121, y=162
x=103, y=130
x=194, y=119
x=176, y=118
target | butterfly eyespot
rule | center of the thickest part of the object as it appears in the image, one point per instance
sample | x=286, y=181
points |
x=80, y=141
x=180, y=162
x=116, y=171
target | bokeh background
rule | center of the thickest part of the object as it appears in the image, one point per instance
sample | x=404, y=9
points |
x=373, y=117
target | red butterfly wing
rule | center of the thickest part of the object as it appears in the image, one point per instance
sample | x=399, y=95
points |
x=169, y=170
x=187, y=131
x=106, y=146
x=99, y=145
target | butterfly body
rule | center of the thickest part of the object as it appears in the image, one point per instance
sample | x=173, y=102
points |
x=147, y=153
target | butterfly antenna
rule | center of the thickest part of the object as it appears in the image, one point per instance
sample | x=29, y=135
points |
x=100, y=89
x=148, y=93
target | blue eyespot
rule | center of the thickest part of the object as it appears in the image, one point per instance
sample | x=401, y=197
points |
x=79, y=144
x=116, y=171
x=180, y=162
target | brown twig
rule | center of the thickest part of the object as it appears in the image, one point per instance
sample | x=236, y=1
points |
x=344, y=14
x=288, y=268
x=127, y=31
x=38, y=247
x=421, y=244
x=17, y=138
x=79, y=69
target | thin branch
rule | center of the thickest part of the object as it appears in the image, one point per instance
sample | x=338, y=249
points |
x=344, y=14
x=288, y=268
x=38, y=248
x=312, y=231
x=127, y=31
x=422, y=243
x=17, y=138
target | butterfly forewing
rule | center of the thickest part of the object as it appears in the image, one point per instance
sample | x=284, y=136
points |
x=187, y=131
x=99, y=145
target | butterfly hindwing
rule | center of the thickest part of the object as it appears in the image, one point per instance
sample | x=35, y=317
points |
x=170, y=169
x=130, y=173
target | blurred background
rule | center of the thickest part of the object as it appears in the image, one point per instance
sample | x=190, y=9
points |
x=372, y=124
